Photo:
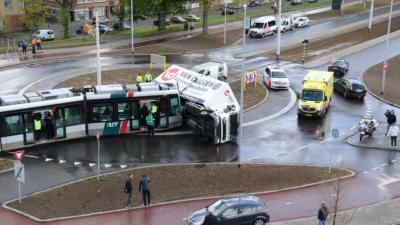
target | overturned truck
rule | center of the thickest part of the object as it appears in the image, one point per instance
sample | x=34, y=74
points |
x=209, y=105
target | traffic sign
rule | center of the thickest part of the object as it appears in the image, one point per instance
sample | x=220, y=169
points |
x=385, y=66
x=19, y=171
x=98, y=135
x=18, y=155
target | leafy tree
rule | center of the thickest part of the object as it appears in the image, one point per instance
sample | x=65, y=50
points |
x=163, y=8
x=65, y=8
x=122, y=11
x=35, y=14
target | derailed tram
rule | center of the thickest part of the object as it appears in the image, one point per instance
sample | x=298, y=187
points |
x=61, y=114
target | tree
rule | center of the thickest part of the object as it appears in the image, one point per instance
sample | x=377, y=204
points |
x=163, y=8
x=65, y=8
x=35, y=14
x=122, y=11
x=206, y=8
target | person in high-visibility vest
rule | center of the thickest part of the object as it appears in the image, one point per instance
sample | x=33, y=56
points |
x=154, y=111
x=38, y=127
x=148, y=77
x=139, y=78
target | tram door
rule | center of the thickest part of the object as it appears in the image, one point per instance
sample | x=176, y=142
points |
x=60, y=124
x=28, y=128
x=163, y=111
x=135, y=115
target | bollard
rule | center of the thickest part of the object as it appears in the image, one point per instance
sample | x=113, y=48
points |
x=305, y=42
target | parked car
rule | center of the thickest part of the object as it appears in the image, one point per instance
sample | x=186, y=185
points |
x=296, y=2
x=192, y=17
x=125, y=26
x=339, y=67
x=302, y=21
x=229, y=11
x=254, y=3
x=177, y=19
x=244, y=210
x=167, y=22
x=275, y=78
x=105, y=28
x=311, y=1
x=45, y=35
x=352, y=88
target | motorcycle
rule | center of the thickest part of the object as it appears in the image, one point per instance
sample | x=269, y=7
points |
x=367, y=126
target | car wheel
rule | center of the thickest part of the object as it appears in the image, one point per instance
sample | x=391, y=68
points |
x=259, y=222
x=344, y=94
x=283, y=30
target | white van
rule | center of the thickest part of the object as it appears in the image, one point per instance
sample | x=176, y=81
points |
x=45, y=35
x=215, y=69
x=263, y=26
x=287, y=23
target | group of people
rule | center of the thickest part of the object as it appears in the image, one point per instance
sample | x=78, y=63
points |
x=392, y=129
x=144, y=188
x=43, y=127
x=186, y=26
x=36, y=44
x=146, y=78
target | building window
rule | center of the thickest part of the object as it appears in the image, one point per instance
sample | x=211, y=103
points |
x=100, y=11
x=20, y=3
x=99, y=0
x=7, y=4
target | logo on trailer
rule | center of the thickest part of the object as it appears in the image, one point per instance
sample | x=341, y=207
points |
x=226, y=93
x=216, y=86
x=170, y=74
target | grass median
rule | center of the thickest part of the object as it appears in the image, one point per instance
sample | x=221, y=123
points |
x=170, y=183
x=6, y=164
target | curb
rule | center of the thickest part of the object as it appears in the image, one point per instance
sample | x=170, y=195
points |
x=4, y=205
x=346, y=140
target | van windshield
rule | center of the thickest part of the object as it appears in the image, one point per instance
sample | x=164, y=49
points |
x=258, y=25
x=309, y=95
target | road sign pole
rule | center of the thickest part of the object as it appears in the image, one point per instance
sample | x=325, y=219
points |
x=19, y=192
x=241, y=86
x=98, y=161
x=278, y=49
x=387, y=49
x=132, y=30
x=371, y=14
x=98, y=50
x=225, y=26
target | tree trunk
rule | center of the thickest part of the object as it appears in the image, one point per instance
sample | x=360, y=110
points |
x=162, y=15
x=206, y=8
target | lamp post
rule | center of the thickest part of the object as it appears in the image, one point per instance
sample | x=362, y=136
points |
x=132, y=30
x=225, y=26
x=371, y=13
x=278, y=49
x=241, y=85
x=98, y=50
x=387, y=49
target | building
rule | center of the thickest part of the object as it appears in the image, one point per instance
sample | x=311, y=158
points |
x=85, y=9
x=10, y=13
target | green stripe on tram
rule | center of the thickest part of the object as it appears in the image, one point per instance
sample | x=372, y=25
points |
x=111, y=128
x=118, y=96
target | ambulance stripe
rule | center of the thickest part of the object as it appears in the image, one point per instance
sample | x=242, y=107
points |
x=124, y=125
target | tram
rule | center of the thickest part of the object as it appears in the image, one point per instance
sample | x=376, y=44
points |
x=67, y=113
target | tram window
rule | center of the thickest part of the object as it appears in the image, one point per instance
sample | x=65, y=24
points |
x=13, y=125
x=223, y=129
x=135, y=109
x=102, y=112
x=163, y=106
x=123, y=111
x=72, y=116
x=174, y=109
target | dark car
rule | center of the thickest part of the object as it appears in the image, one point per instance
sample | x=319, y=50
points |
x=177, y=19
x=244, y=210
x=167, y=22
x=229, y=11
x=339, y=67
x=350, y=88
x=254, y=3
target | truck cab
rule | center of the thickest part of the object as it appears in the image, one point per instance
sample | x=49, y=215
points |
x=316, y=94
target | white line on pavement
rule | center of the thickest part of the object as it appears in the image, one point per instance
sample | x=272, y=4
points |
x=107, y=165
x=123, y=166
x=61, y=161
x=393, y=161
x=32, y=156
x=92, y=164
x=288, y=203
x=383, y=165
x=325, y=140
x=254, y=158
x=301, y=148
x=48, y=159
x=77, y=163
x=365, y=172
x=375, y=168
x=281, y=153
x=352, y=128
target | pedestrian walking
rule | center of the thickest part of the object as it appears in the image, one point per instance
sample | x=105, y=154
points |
x=24, y=45
x=154, y=111
x=390, y=118
x=393, y=132
x=275, y=7
x=150, y=124
x=191, y=26
x=144, y=111
x=128, y=190
x=39, y=44
x=33, y=46
x=37, y=122
x=144, y=187
x=323, y=214
x=185, y=26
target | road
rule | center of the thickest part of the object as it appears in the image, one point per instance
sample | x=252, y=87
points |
x=283, y=140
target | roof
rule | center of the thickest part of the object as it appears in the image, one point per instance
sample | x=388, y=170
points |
x=316, y=75
x=263, y=19
x=211, y=93
x=241, y=199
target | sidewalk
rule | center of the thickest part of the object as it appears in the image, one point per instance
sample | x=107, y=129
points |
x=378, y=140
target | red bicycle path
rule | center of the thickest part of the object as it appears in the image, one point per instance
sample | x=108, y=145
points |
x=359, y=191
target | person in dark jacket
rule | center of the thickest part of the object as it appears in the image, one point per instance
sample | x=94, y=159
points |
x=391, y=119
x=128, y=189
x=144, y=111
x=144, y=187
x=323, y=214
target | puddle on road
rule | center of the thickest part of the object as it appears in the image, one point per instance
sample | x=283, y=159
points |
x=328, y=50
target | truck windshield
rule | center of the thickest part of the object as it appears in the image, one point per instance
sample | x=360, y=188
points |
x=258, y=25
x=309, y=95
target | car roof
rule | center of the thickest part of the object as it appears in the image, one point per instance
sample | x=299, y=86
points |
x=275, y=68
x=353, y=80
x=242, y=200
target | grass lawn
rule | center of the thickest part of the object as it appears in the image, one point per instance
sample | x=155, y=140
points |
x=6, y=164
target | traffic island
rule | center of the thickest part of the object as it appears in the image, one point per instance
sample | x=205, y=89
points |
x=373, y=80
x=169, y=184
x=6, y=165
x=252, y=97
x=378, y=140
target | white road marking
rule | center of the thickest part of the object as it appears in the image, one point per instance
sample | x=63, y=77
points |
x=393, y=161
x=383, y=165
x=288, y=203
x=92, y=164
x=353, y=128
x=301, y=148
x=32, y=156
x=365, y=172
x=48, y=159
x=342, y=134
x=254, y=158
x=281, y=153
x=107, y=165
x=375, y=168
x=324, y=140
x=123, y=166
x=61, y=161
x=77, y=163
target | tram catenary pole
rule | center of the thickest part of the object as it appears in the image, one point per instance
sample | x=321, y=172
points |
x=241, y=85
x=98, y=50
x=387, y=49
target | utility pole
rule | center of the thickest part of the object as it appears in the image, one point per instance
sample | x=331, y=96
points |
x=278, y=49
x=387, y=49
x=98, y=50
x=371, y=14
x=225, y=26
x=98, y=160
x=241, y=85
x=132, y=30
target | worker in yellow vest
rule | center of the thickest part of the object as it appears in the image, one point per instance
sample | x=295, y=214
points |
x=38, y=126
x=148, y=77
x=139, y=78
x=154, y=111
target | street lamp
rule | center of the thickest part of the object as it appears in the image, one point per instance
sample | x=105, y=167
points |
x=278, y=49
x=387, y=49
x=371, y=13
x=132, y=30
x=241, y=84
x=98, y=49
